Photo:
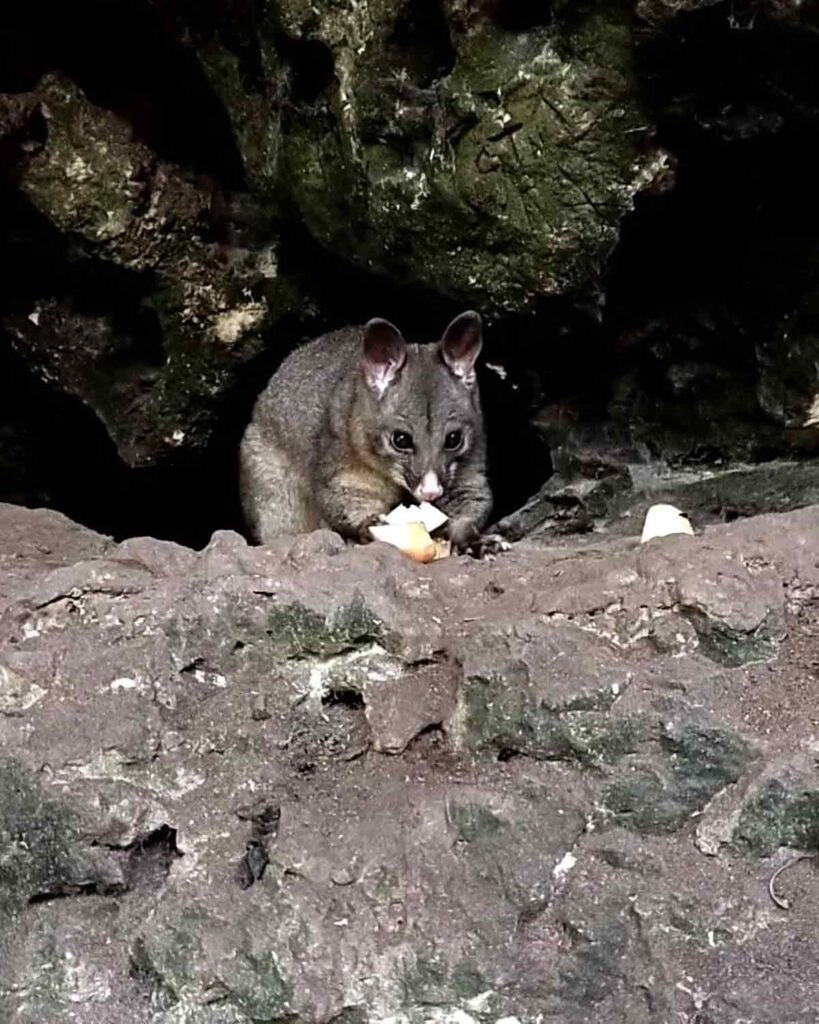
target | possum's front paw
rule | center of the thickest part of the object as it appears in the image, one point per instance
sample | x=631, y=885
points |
x=467, y=539
x=489, y=544
x=363, y=534
x=462, y=534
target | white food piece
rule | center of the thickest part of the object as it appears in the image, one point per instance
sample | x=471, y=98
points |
x=662, y=520
x=389, y=533
x=426, y=514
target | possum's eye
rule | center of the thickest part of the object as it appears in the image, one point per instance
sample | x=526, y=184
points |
x=453, y=440
x=401, y=441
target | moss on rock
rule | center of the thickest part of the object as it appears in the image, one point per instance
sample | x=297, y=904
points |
x=503, y=715
x=783, y=812
x=154, y=360
x=297, y=632
x=659, y=795
x=502, y=180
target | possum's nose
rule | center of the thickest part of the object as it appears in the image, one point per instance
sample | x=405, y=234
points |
x=430, y=487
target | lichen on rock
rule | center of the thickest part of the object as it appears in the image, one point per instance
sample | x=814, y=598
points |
x=500, y=179
x=154, y=370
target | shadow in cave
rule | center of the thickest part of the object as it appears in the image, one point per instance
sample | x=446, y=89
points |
x=54, y=450
x=126, y=57
x=55, y=453
x=59, y=454
x=706, y=272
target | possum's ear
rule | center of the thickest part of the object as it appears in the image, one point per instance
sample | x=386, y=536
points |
x=384, y=352
x=461, y=346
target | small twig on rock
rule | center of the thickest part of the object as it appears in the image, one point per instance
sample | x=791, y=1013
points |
x=780, y=901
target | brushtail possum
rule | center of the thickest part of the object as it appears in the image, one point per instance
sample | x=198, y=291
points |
x=358, y=421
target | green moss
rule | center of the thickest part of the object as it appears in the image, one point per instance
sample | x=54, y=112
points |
x=472, y=821
x=258, y=987
x=37, y=838
x=176, y=954
x=424, y=981
x=431, y=981
x=503, y=715
x=252, y=115
x=83, y=180
x=659, y=796
x=466, y=981
x=505, y=180
x=298, y=632
x=98, y=185
x=782, y=813
x=599, y=739
x=733, y=648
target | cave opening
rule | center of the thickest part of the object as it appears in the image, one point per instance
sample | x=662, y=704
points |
x=312, y=69
x=420, y=43
x=522, y=15
x=63, y=457
x=709, y=267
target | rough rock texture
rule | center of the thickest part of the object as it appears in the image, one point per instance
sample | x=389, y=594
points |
x=586, y=494
x=149, y=367
x=488, y=154
x=314, y=783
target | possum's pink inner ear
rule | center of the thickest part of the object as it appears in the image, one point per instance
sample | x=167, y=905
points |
x=384, y=353
x=461, y=345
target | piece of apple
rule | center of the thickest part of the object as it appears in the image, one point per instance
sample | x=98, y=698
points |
x=663, y=520
x=412, y=539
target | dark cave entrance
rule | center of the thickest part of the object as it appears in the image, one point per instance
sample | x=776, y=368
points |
x=56, y=453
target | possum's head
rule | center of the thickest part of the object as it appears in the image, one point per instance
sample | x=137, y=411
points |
x=426, y=419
